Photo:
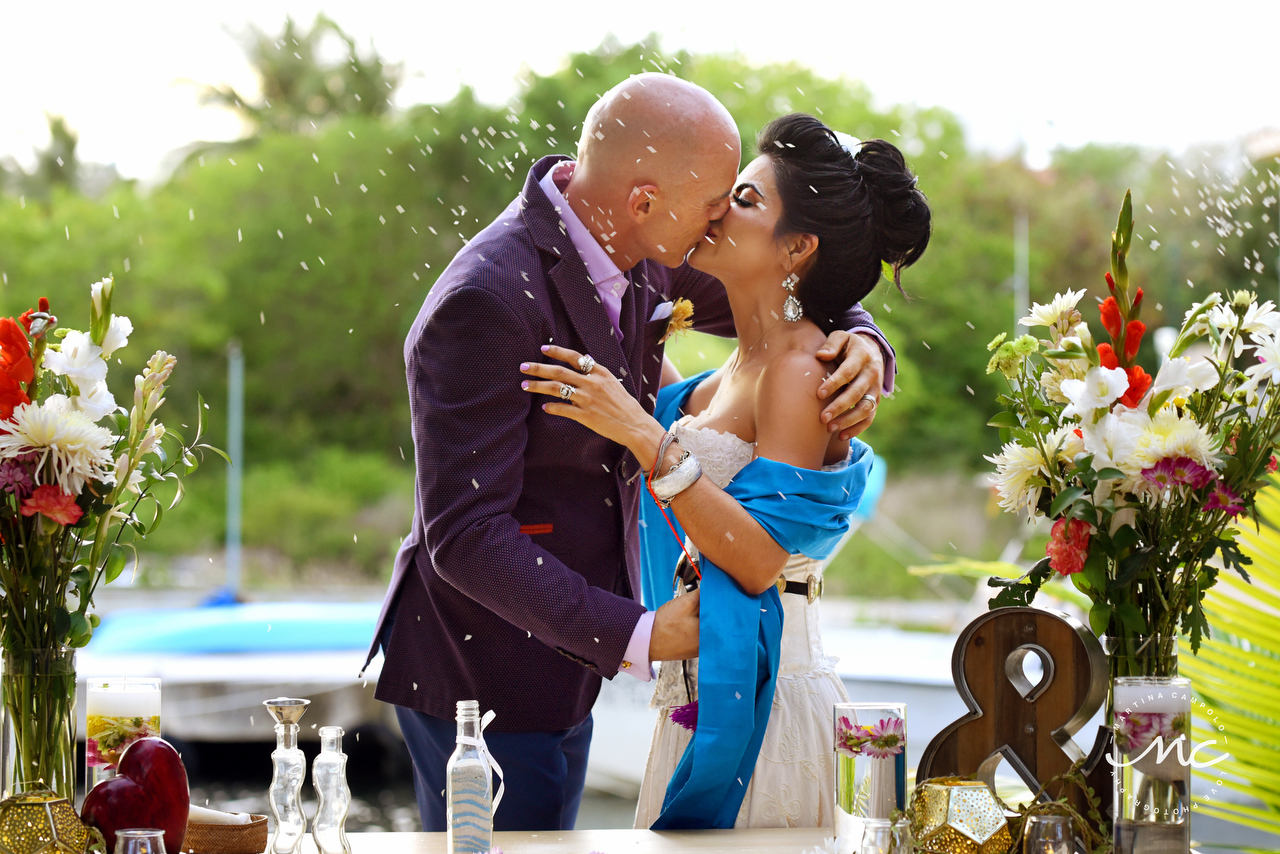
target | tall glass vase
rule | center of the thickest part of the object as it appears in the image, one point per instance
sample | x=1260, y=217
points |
x=38, y=741
x=1141, y=655
x=870, y=766
x=1152, y=758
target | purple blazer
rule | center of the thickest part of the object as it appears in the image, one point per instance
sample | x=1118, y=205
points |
x=518, y=583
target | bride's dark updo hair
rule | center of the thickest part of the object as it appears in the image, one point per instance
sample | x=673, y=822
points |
x=864, y=210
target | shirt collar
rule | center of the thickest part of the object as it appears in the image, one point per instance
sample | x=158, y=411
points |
x=600, y=267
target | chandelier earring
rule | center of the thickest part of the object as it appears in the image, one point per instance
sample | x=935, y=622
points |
x=792, y=311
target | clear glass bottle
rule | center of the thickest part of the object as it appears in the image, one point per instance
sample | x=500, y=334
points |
x=289, y=766
x=469, y=795
x=329, y=776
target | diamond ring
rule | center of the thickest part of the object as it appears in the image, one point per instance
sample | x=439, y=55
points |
x=586, y=364
x=567, y=391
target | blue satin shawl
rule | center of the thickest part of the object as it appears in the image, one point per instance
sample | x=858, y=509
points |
x=806, y=512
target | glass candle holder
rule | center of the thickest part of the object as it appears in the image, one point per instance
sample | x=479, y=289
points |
x=882, y=836
x=140, y=841
x=1152, y=759
x=119, y=710
x=870, y=766
x=1048, y=834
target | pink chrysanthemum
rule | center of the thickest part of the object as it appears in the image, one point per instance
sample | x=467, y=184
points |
x=1225, y=500
x=888, y=738
x=686, y=715
x=1068, y=545
x=851, y=738
x=1179, y=471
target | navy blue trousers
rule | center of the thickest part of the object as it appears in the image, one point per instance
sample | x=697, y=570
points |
x=544, y=771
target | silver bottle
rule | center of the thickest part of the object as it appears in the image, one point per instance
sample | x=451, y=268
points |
x=329, y=776
x=469, y=788
x=289, y=766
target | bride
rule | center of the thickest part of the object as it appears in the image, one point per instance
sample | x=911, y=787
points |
x=760, y=488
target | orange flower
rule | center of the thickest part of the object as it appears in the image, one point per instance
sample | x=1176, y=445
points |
x=11, y=396
x=1111, y=320
x=52, y=502
x=1133, y=333
x=1139, y=382
x=15, y=351
x=1107, y=356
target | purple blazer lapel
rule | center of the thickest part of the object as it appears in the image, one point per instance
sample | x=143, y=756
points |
x=569, y=280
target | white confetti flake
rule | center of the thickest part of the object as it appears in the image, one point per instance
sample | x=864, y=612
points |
x=473, y=483
x=737, y=695
x=529, y=295
x=363, y=188
x=399, y=209
x=729, y=534
x=280, y=234
x=539, y=561
x=467, y=638
x=304, y=264
x=415, y=686
x=262, y=317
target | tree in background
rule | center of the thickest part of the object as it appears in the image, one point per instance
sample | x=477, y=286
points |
x=301, y=87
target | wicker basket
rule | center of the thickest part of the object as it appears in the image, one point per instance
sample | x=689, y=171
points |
x=248, y=838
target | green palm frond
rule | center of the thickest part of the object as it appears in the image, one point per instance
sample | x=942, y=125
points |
x=1237, y=675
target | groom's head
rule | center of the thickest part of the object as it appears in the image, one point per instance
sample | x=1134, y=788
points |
x=656, y=163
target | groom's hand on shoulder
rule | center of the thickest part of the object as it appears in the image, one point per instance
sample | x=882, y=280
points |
x=858, y=379
x=675, y=629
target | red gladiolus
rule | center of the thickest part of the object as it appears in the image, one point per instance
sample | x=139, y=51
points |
x=11, y=396
x=15, y=351
x=1133, y=333
x=1068, y=546
x=1107, y=356
x=1111, y=319
x=1139, y=382
x=1137, y=301
x=25, y=317
x=1111, y=283
x=52, y=502
x=1271, y=465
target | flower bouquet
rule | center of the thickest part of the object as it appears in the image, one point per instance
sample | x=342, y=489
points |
x=77, y=486
x=1141, y=476
x=870, y=764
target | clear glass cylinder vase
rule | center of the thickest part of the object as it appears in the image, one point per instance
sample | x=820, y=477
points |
x=119, y=710
x=870, y=765
x=1141, y=655
x=1151, y=753
x=38, y=741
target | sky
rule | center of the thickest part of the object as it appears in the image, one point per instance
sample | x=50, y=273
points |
x=1031, y=74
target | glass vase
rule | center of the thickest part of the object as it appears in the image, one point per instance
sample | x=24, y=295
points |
x=1151, y=753
x=38, y=742
x=119, y=710
x=1141, y=655
x=870, y=766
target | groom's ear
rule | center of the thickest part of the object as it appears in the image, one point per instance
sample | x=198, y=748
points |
x=643, y=202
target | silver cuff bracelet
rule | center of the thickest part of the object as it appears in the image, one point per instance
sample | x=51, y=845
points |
x=682, y=475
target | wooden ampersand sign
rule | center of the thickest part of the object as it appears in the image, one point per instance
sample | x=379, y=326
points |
x=1029, y=725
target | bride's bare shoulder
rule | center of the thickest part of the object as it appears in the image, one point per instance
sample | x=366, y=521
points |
x=788, y=428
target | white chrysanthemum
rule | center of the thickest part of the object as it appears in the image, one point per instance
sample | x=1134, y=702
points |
x=1169, y=435
x=96, y=403
x=1100, y=388
x=72, y=448
x=1016, y=467
x=1061, y=309
x=1112, y=440
x=79, y=360
x=117, y=335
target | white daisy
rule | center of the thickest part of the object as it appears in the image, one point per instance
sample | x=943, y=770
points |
x=72, y=448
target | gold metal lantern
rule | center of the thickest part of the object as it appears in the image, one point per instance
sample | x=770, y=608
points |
x=955, y=816
x=37, y=821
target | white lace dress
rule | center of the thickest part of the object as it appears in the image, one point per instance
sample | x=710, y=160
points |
x=793, y=783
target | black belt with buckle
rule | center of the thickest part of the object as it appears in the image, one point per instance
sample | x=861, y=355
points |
x=810, y=588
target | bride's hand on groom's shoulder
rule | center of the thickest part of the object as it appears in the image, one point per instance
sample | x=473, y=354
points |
x=675, y=629
x=858, y=379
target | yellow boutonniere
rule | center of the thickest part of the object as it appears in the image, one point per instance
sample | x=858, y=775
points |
x=681, y=319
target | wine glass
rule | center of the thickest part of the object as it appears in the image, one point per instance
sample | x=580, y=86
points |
x=143, y=840
x=1047, y=834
